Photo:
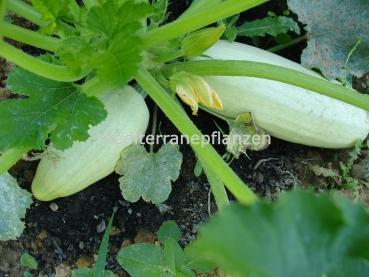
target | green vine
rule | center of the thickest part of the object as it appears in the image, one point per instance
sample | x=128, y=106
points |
x=271, y=72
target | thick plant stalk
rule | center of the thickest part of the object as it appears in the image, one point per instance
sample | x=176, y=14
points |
x=21, y=8
x=217, y=187
x=29, y=37
x=198, y=20
x=37, y=66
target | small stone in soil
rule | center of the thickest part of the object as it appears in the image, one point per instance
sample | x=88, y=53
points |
x=62, y=270
x=81, y=245
x=84, y=261
x=101, y=227
x=54, y=207
x=124, y=203
x=126, y=243
x=115, y=231
x=164, y=208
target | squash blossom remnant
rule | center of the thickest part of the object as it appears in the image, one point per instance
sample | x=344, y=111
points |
x=245, y=135
x=194, y=91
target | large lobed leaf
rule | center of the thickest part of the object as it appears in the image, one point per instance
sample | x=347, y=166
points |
x=108, y=41
x=105, y=39
x=334, y=26
x=54, y=11
x=148, y=175
x=14, y=202
x=51, y=107
x=300, y=235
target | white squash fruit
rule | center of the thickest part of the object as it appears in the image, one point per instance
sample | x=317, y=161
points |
x=285, y=111
x=63, y=173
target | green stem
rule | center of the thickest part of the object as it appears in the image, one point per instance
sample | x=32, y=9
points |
x=10, y=158
x=29, y=37
x=287, y=45
x=271, y=72
x=198, y=20
x=217, y=187
x=3, y=8
x=25, y=10
x=214, y=113
x=103, y=250
x=90, y=3
x=204, y=151
x=37, y=66
x=169, y=57
x=94, y=87
x=90, y=86
x=199, y=6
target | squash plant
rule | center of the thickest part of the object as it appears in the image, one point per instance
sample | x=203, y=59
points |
x=96, y=48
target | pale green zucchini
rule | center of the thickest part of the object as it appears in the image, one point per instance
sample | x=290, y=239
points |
x=285, y=111
x=63, y=173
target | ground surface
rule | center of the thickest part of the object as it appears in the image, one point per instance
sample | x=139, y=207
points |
x=66, y=233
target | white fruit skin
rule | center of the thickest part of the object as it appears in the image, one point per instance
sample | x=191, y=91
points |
x=63, y=173
x=285, y=111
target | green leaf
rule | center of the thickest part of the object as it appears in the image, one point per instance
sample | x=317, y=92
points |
x=53, y=11
x=113, y=16
x=283, y=39
x=334, y=26
x=269, y=25
x=143, y=260
x=28, y=261
x=198, y=264
x=52, y=110
x=173, y=254
x=76, y=52
x=150, y=260
x=161, y=15
x=169, y=230
x=175, y=259
x=120, y=23
x=301, y=235
x=148, y=175
x=14, y=202
x=119, y=63
x=231, y=33
x=103, y=250
x=108, y=41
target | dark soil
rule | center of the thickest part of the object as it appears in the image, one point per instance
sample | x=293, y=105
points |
x=66, y=233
